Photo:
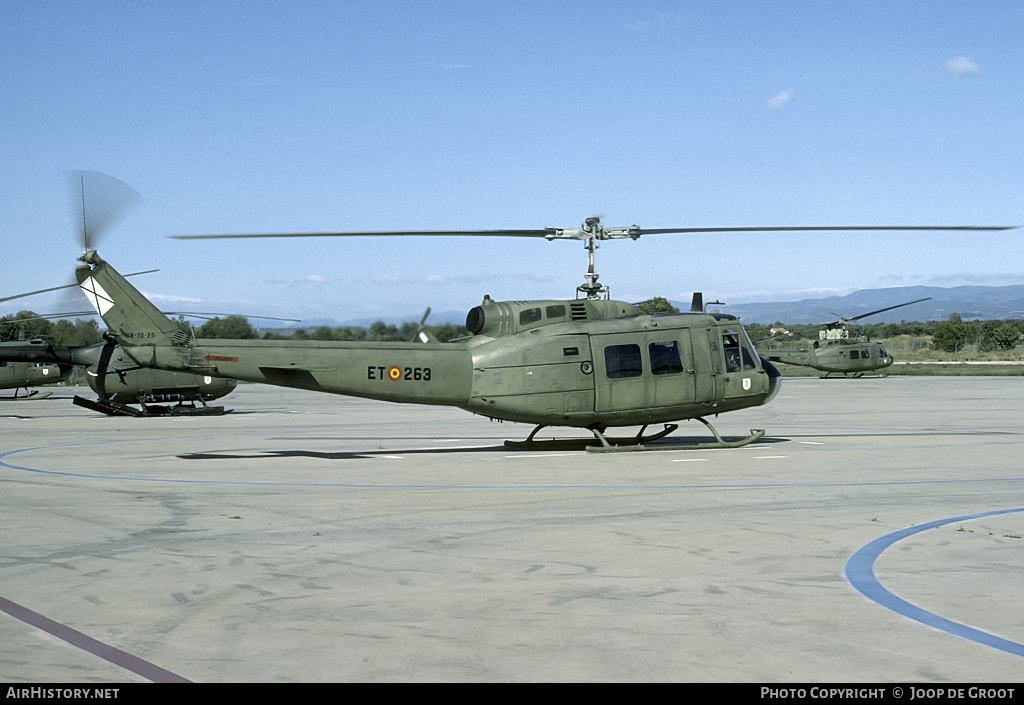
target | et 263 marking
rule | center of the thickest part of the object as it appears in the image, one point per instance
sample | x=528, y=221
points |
x=396, y=373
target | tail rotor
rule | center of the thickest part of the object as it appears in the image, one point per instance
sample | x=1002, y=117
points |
x=99, y=202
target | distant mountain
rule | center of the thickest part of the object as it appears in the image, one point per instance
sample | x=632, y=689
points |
x=436, y=318
x=971, y=302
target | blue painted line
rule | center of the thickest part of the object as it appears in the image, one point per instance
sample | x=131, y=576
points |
x=859, y=571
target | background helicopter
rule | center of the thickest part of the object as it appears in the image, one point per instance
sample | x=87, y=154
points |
x=117, y=380
x=23, y=375
x=833, y=352
x=589, y=363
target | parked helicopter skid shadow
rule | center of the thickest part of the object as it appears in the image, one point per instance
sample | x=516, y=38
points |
x=33, y=395
x=677, y=443
x=331, y=455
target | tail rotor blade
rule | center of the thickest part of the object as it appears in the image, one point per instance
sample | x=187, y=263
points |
x=99, y=202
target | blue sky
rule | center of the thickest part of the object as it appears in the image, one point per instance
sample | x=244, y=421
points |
x=232, y=117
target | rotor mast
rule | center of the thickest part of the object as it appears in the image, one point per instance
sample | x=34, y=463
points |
x=591, y=288
x=592, y=230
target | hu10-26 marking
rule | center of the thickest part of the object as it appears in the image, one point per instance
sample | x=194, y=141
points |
x=396, y=373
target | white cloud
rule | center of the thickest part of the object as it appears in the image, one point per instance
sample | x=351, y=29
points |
x=960, y=66
x=780, y=99
x=171, y=298
x=310, y=279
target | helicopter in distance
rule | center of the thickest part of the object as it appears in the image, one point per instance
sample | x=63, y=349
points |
x=17, y=375
x=23, y=375
x=834, y=353
x=119, y=383
x=590, y=362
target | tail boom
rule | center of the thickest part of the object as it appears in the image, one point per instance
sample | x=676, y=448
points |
x=431, y=373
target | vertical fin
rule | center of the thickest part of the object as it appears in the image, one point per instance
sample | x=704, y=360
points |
x=129, y=316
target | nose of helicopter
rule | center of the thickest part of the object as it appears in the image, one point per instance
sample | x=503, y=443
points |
x=774, y=379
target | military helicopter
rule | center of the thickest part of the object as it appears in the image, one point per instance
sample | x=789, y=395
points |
x=118, y=381
x=22, y=375
x=834, y=353
x=591, y=363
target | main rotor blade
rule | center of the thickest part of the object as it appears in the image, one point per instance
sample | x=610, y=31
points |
x=890, y=308
x=378, y=233
x=189, y=314
x=551, y=233
x=48, y=316
x=66, y=286
x=828, y=228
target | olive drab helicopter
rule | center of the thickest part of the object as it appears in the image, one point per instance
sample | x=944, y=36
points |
x=119, y=382
x=834, y=353
x=23, y=375
x=591, y=363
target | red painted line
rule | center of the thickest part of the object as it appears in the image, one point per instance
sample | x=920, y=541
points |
x=117, y=657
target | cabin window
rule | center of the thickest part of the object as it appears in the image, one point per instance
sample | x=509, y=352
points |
x=555, y=311
x=530, y=315
x=665, y=359
x=855, y=354
x=622, y=361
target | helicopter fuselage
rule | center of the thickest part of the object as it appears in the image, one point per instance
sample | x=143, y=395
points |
x=839, y=356
x=582, y=363
x=108, y=372
x=18, y=375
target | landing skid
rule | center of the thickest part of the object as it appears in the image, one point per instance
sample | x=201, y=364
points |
x=33, y=395
x=603, y=444
x=116, y=408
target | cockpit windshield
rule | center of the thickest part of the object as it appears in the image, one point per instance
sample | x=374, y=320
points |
x=738, y=349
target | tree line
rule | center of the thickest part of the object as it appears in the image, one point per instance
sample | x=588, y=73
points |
x=949, y=336
x=86, y=331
